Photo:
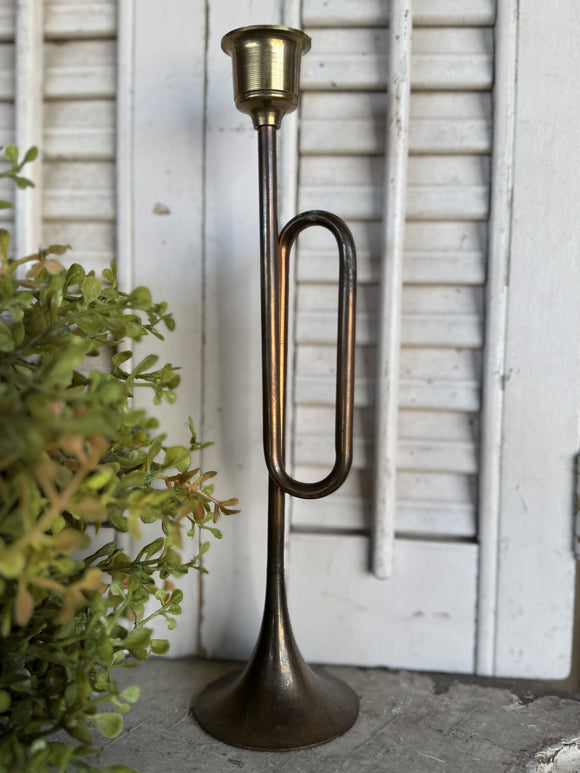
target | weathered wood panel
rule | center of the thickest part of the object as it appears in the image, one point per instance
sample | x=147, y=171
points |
x=7, y=20
x=6, y=71
x=425, y=630
x=80, y=129
x=78, y=19
x=443, y=59
x=80, y=69
x=346, y=13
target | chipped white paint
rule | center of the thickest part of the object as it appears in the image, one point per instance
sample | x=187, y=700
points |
x=495, y=331
x=341, y=613
x=563, y=757
x=577, y=509
x=357, y=59
x=542, y=367
x=390, y=304
x=124, y=142
x=163, y=128
x=371, y=13
x=416, y=619
x=81, y=19
x=28, y=203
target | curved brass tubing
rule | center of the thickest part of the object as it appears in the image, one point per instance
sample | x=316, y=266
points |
x=275, y=266
x=277, y=701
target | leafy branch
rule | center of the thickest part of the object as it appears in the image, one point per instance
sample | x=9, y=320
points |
x=77, y=456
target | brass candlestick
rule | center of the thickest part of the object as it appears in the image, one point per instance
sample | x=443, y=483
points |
x=277, y=701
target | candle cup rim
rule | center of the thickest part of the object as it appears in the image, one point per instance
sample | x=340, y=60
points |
x=295, y=35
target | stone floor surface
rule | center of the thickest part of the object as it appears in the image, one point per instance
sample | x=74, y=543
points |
x=408, y=723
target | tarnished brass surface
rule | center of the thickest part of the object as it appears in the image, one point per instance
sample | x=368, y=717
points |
x=277, y=701
x=266, y=62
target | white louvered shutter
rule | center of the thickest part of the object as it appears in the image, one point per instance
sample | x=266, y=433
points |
x=483, y=568
x=78, y=138
x=486, y=377
x=342, y=146
x=7, y=93
x=58, y=91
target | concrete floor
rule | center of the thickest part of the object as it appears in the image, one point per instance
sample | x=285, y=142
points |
x=408, y=723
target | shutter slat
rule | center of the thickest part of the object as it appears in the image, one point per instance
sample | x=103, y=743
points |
x=417, y=425
x=445, y=59
x=436, y=71
x=7, y=65
x=426, y=202
x=467, y=268
x=80, y=70
x=423, y=456
x=439, y=187
x=450, y=105
x=87, y=144
x=428, y=504
x=342, y=139
x=419, y=299
x=426, y=170
x=7, y=20
x=438, y=395
x=82, y=129
x=346, y=13
x=440, y=237
x=87, y=205
x=439, y=135
x=93, y=243
x=68, y=19
x=6, y=120
x=447, y=364
x=422, y=519
x=464, y=330
x=79, y=191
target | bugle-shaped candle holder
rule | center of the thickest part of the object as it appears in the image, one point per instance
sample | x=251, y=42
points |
x=277, y=701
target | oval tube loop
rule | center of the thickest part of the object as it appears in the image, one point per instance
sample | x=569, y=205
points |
x=343, y=439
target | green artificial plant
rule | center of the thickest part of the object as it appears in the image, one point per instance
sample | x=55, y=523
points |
x=77, y=456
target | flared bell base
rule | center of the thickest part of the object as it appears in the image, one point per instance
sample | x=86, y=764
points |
x=246, y=709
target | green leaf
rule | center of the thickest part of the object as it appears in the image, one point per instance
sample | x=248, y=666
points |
x=159, y=646
x=119, y=769
x=90, y=288
x=133, y=478
x=177, y=596
x=4, y=243
x=92, y=324
x=120, y=357
x=5, y=701
x=109, y=724
x=144, y=365
x=81, y=732
x=140, y=637
x=12, y=562
x=68, y=360
x=23, y=182
x=75, y=275
x=91, y=509
x=177, y=456
x=110, y=274
x=30, y=155
x=57, y=249
x=140, y=298
x=11, y=153
x=7, y=343
x=132, y=693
